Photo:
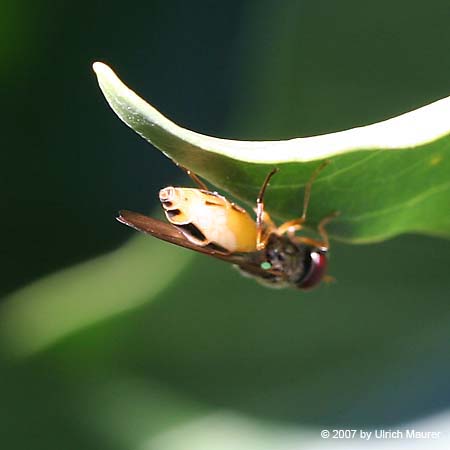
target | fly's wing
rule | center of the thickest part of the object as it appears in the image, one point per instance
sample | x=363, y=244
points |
x=162, y=230
x=169, y=233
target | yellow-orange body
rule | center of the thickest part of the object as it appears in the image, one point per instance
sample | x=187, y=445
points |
x=208, y=218
x=208, y=223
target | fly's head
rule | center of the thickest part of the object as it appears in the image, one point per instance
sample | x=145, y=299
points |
x=291, y=263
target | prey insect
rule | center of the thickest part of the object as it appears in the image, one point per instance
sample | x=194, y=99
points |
x=208, y=223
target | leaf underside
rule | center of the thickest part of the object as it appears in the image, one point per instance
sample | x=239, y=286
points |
x=385, y=179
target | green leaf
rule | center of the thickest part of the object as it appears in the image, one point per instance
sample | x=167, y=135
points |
x=386, y=179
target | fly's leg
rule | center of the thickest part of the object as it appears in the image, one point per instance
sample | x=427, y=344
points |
x=264, y=224
x=321, y=228
x=308, y=187
x=193, y=177
x=291, y=226
x=324, y=243
x=294, y=225
x=329, y=279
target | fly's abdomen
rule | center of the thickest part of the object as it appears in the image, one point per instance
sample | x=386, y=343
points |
x=208, y=218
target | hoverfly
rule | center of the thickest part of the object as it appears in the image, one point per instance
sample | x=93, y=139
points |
x=208, y=223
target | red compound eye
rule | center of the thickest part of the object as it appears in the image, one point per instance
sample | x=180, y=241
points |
x=316, y=271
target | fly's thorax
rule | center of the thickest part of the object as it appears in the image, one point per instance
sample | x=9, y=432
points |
x=209, y=218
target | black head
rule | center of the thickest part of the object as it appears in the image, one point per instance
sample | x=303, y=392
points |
x=299, y=265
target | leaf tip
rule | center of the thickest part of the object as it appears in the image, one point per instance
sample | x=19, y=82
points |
x=100, y=68
x=105, y=75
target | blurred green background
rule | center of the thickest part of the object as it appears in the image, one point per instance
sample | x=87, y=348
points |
x=140, y=345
